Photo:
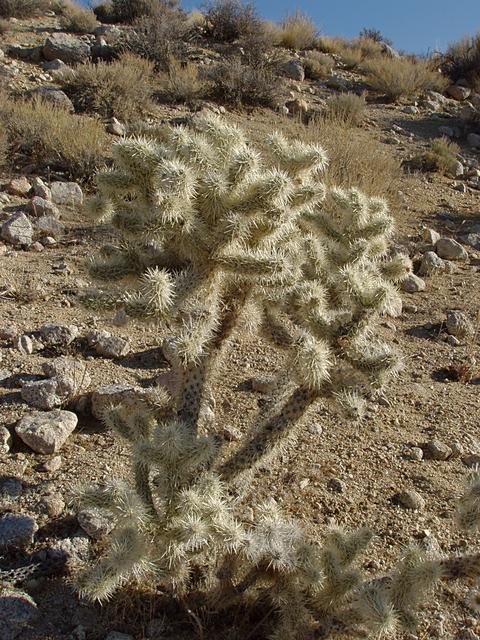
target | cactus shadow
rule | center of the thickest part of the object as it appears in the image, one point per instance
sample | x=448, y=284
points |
x=148, y=359
x=427, y=331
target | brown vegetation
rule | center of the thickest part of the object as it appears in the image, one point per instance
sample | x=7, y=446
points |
x=298, y=32
x=243, y=84
x=22, y=8
x=181, y=82
x=462, y=60
x=403, y=77
x=346, y=108
x=229, y=20
x=317, y=65
x=77, y=19
x=441, y=157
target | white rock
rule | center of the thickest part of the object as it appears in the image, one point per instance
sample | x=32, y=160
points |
x=413, y=284
x=431, y=263
x=19, y=187
x=24, y=344
x=5, y=440
x=67, y=193
x=44, y=394
x=71, y=375
x=95, y=522
x=17, y=230
x=46, y=432
x=57, y=334
x=42, y=207
x=113, y=394
x=40, y=189
x=431, y=236
x=107, y=345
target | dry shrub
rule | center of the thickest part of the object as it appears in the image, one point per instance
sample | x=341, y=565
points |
x=328, y=44
x=122, y=88
x=196, y=20
x=159, y=36
x=356, y=159
x=182, y=82
x=351, y=56
x=52, y=137
x=346, y=108
x=399, y=77
x=104, y=12
x=244, y=84
x=229, y=20
x=318, y=66
x=5, y=26
x=441, y=157
x=131, y=10
x=298, y=32
x=76, y=19
x=462, y=60
x=22, y=8
x=3, y=145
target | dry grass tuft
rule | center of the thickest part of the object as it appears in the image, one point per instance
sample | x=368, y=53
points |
x=229, y=20
x=346, y=108
x=52, y=137
x=318, y=66
x=403, y=77
x=76, y=19
x=298, y=32
x=122, y=88
x=131, y=10
x=182, y=82
x=22, y=8
x=242, y=84
x=462, y=60
x=3, y=145
x=441, y=157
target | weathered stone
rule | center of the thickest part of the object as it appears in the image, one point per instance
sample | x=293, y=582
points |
x=17, y=230
x=43, y=394
x=107, y=345
x=416, y=454
x=19, y=187
x=46, y=432
x=41, y=207
x=52, y=464
x=24, y=344
x=5, y=440
x=473, y=139
x=450, y=249
x=67, y=193
x=65, y=47
x=55, y=65
x=109, y=32
x=16, y=530
x=457, y=92
x=71, y=375
x=54, y=96
x=75, y=549
x=458, y=324
x=49, y=226
x=409, y=499
x=436, y=450
x=472, y=461
x=471, y=239
x=53, y=505
x=431, y=236
x=17, y=611
x=431, y=263
x=95, y=522
x=57, y=334
x=412, y=284
x=263, y=384
x=293, y=69
x=114, y=394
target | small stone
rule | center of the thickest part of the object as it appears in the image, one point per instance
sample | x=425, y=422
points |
x=315, y=429
x=336, y=485
x=458, y=324
x=457, y=449
x=54, y=96
x=304, y=483
x=431, y=236
x=453, y=341
x=53, y=464
x=11, y=488
x=107, y=345
x=65, y=47
x=457, y=92
x=450, y=249
x=46, y=432
x=95, y=522
x=5, y=440
x=409, y=499
x=44, y=394
x=71, y=375
x=416, y=454
x=48, y=241
x=116, y=128
x=410, y=308
x=24, y=344
x=112, y=394
x=19, y=187
x=17, y=611
x=54, y=65
x=436, y=450
x=40, y=207
x=431, y=263
x=40, y=189
x=413, y=284
x=17, y=230
x=56, y=334
x=53, y=505
x=67, y=193
x=457, y=169
x=16, y=530
x=36, y=246
x=8, y=333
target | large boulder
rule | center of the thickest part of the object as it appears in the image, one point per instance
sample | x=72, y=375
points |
x=65, y=47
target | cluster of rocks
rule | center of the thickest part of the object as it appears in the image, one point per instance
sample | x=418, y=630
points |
x=37, y=225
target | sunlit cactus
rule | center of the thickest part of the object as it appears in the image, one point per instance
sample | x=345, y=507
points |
x=211, y=229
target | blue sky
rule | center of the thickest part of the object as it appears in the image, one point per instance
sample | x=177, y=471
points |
x=414, y=25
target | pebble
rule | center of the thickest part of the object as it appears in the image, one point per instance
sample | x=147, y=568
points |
x=24, y=344
x=17, y=530
x=107, y=345
x=17, y=230
x=409, y=499
x=416, y=454
x=431, y=263
x=231, y=433
x=53, y=505
x=458, y=324
x=40, y=207
x=336, y=485
x=40, y=189
x=46, y=432
x=53, y=464
x=436, y=450
x=431, y=236
x=262, y=384
x=5, y=440
x=413, y=284
x=19, y=187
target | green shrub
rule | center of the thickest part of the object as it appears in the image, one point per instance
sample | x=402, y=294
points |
x=242, y=84
x=298, y=32
x=403, y=77
x=52, y=137
x=229, y=20
x=122, y=88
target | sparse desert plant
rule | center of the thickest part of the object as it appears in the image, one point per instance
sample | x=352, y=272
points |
x=77, y=19
x=317, y=65
x=441, y=157
x=242, y=84
x=3, y=145
x=329, y=44
x=122, y=88
x=462, y=60
x=346, y=108
x=181, y=82
x=298, y=31
x=104, y=11
x=5, y=26
x=52, y=137
x=374, y=34
x=159, y=36
x=403, y=77
x=229, y=20
x=22, y=8
x=214, y=230
x=131, y=10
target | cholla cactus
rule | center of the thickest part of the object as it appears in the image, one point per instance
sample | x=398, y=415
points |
x=211, y=228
